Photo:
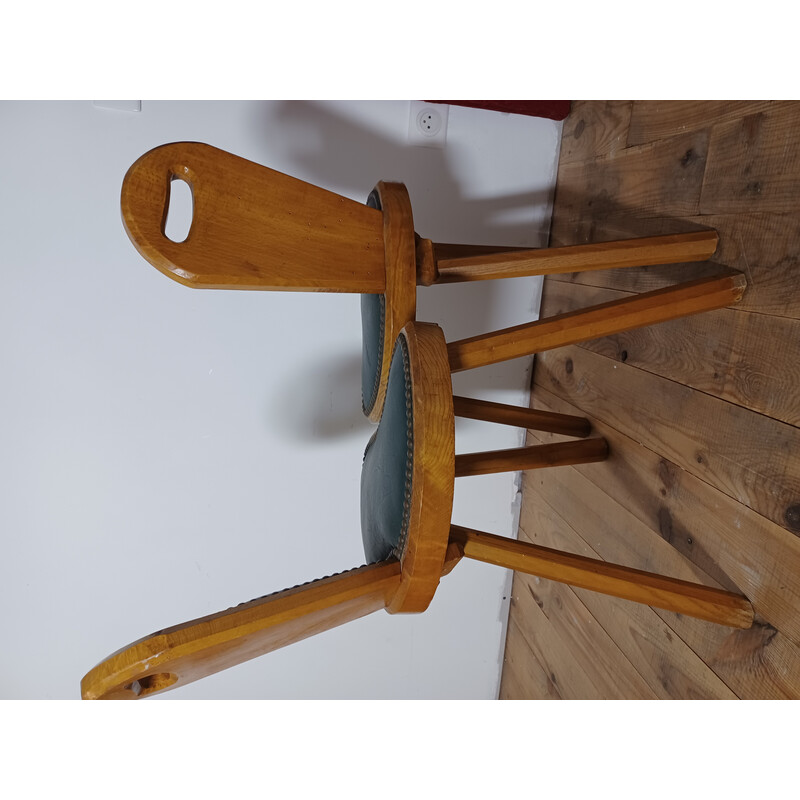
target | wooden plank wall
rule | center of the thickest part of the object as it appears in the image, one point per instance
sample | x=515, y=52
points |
x=701, y=414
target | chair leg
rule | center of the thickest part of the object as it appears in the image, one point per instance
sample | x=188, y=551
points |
x=637, y=311
x=682, y=597
x=529, y=418
x=560, y=454
x=454, y=265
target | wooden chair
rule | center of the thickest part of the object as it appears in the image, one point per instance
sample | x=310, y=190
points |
x=408, y=476
x=255, y=228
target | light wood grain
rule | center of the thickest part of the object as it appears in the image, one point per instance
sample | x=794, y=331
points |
x=430, y=253
x=695, y=600
x=521, y=417
x=651, y=308
x=523, y=677
x=252, y=227
x=763, y=246
x=668, y=249
x=557, y=454
x=563, y=676
x=400, y=295
x=193, y=650
x=431, y=502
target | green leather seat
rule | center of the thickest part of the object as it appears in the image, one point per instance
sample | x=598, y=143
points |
x=387, y=469
x=373, y=315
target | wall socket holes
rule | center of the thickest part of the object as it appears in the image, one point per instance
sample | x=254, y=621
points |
x=427, y=124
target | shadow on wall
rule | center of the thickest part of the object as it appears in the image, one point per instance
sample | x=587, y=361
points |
x=325, y=406
x=336, y=152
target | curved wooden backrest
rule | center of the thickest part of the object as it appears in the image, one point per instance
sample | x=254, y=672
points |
x=184, y=653
x=252, y=227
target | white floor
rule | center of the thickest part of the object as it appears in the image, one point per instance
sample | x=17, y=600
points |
x=168, y=453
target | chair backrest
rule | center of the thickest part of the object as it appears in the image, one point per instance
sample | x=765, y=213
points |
x=192, y=650
x=252, y=227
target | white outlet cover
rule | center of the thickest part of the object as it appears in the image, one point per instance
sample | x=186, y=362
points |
x=427, y=124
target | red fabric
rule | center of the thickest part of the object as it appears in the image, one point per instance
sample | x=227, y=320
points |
x=550, y=109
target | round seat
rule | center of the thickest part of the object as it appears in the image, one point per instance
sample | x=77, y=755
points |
x=409, y=468
x=384, y=314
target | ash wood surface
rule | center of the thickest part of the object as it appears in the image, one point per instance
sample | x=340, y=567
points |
x=651, y=308
x=431, y=502
x=252, y=227
x=400, y=293
x=557, y=454
x=765, y=247
x=520, y=417
x=700, y=414
x=193, y=650
x=683, y=597
x=666, y=249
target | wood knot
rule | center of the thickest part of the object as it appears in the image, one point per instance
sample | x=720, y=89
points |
x=792, y=518
x=689, y=157
x=569, y=366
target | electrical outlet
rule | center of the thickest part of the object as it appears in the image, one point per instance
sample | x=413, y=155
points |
x=427, y=124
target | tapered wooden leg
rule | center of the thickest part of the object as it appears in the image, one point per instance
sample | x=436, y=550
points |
x=521, y=417
x=632, y=312
x=460, y=264
x=560, y=454
x=692, y=599
x=429, y=254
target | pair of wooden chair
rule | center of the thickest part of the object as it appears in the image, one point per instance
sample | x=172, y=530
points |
x=254, y=228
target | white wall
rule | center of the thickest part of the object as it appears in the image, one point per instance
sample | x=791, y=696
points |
x=167, y=453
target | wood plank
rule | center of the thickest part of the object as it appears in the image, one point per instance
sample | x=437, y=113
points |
x=544, y=638
x=657, y=119
x=589, y=644
x=670, y=667
x=753, y=164
x=523, y=677
x=735, y=546
x=684, y=657
x=594, y=128
x=765, y=247
x=652, y=180
x=749, y=457
x=726, y=353
x=568, y=677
